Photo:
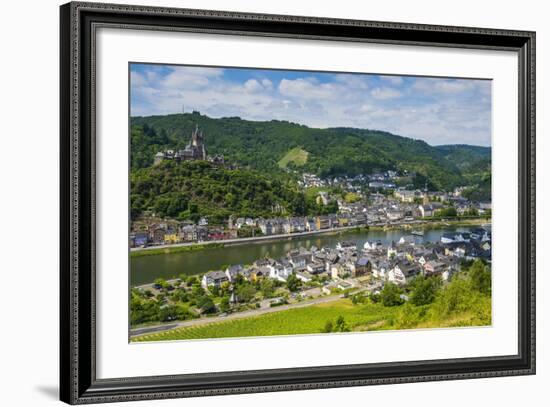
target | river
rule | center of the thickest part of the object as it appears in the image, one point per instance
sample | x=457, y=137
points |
x=145, y=269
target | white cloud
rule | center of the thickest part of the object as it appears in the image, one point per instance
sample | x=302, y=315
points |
x=252, y=86
x=448, y=86
x=439, y=111
x=355, y=81
x=306, y=88
x=385, y=93
x=137, y=79
x=394, y=80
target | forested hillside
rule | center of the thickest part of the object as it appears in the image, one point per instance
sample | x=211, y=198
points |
x=192, y=189
x=338, y=151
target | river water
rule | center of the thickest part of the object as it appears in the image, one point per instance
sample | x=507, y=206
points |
x=145, y=269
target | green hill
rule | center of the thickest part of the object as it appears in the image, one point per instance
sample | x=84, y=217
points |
x=296, y=156
x=467, y=157
x=190, y=190
x=271, y=146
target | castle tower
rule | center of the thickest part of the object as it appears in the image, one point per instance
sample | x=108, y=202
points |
x=197, y=148
x=195, y=137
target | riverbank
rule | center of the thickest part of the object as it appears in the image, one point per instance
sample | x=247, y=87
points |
x=417, y=224
x=174, y=248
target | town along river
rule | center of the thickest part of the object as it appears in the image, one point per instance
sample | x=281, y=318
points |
x=145, y=269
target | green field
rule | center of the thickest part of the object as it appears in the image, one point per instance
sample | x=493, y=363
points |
x=296, y=156
x=305, y=320
x=313, y=319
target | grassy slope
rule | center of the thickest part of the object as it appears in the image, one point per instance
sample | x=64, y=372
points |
x=312, y=319
x=296, y=156
x=305, y=320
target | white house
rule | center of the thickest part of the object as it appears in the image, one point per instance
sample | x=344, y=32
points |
x=406, y=240
x=403, y=272
x=213, y=278
x=304, y=276
x=380, y=269
x=426, y=210
x=280, y=272
x=232, y=271
x=337, y=271
x=346, y=245
x=316, y=268
x=373, y=245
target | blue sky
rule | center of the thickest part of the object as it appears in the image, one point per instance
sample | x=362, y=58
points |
x=436, y=110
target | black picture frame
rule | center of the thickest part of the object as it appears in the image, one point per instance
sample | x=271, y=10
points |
x=78, y=382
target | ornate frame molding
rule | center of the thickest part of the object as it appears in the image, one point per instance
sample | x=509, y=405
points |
x=79, y=21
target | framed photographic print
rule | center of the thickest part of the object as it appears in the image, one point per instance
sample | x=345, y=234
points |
x=255, y=203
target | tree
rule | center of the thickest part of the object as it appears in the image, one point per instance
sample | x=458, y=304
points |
x=425, y=290
x=472, y=212
x=197, y=291
x=480, y=277
x=206, y=305
x=358, y=298
x=391, y=295
x=224, y=287
x=180, y=295
x=455, y=298
x=449, y=212
x=246, y=293
x=168, y=313
x=183, y=312
x=161, y=282
x=215, y=290
x=268, y=287
x=191, y=280
x=341, y=325
x=328, y=327
x=224, y=304
x=293, y=283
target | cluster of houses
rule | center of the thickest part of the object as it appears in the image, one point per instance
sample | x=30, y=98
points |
x=344, y=265
x=380, y=180
x=275, y=226
x=381, y=210
x=179, y=232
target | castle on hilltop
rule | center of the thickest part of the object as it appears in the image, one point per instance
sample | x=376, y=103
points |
x=195, y=150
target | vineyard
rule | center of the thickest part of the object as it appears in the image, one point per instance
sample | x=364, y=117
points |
x=305, y=320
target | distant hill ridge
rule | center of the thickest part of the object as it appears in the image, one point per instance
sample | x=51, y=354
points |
x=270, y=146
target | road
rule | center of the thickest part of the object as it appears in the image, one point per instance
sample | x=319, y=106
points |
x=237, y=315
